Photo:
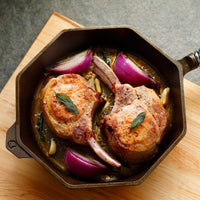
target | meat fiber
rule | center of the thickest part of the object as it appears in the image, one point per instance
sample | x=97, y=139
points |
x=139, y=144
x=67, y=124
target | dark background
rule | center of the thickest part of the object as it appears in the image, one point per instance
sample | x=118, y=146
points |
x=172, y=25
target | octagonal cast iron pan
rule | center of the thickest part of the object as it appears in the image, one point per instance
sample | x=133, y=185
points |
x=20, y=140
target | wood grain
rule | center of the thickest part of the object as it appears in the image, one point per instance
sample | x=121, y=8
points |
x=177, y=177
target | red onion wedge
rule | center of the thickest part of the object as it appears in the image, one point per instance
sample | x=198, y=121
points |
x=78, y=63
x=128, y=72
x=82, y=166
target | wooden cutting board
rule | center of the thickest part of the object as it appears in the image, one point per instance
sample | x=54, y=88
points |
x=177, y=177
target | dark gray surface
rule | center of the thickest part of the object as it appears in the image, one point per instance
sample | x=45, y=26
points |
x=173, y=25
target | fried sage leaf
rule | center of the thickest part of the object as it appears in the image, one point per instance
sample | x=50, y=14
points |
x=105, y=58
x=40, y=126
x=138, y=120
x=65, y=100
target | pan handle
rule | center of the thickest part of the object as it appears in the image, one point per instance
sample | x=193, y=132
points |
x=13, y=146
x=190, y=62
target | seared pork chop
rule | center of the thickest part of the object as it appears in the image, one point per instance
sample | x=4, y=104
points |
x=76, y=127
x=138, y=144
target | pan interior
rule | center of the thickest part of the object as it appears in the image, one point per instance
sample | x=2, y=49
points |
x=68, y=42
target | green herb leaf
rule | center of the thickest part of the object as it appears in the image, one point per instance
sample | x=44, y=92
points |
x=65, y=100
x=138, y=120
x=40, y=126
x=105, y=58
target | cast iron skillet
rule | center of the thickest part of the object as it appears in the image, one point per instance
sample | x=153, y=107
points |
x=20, y=140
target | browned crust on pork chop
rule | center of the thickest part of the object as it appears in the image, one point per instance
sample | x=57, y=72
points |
x=130, y=144
x=63, y=122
